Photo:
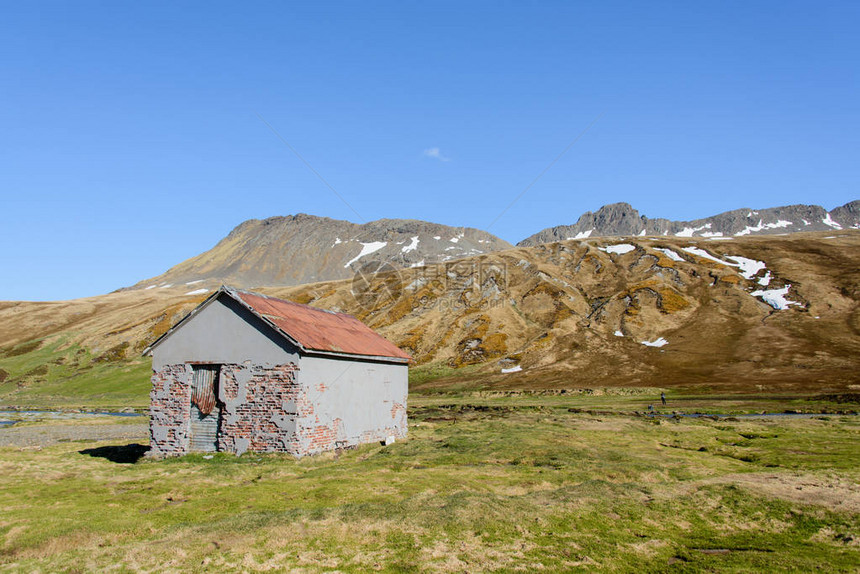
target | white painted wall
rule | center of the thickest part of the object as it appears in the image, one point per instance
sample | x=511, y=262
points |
x=360, y=394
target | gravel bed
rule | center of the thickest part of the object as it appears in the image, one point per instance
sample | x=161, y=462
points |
x=38, y=436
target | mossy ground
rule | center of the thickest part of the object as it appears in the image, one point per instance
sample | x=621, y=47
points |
x=519, y=484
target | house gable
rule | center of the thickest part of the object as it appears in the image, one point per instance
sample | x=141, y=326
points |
x=223, y=331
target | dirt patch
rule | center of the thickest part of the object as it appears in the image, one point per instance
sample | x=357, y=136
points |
x=22, y=349
x=836, y=537
x=834, y=493
x=39, y=371
x=837, y=398
x=114, y=354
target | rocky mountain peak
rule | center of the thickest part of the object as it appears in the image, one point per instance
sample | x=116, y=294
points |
x=621, y=219
x=302, y=248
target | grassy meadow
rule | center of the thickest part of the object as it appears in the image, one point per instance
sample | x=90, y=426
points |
x=488, y=480
x=54, y=373
x=482, y=484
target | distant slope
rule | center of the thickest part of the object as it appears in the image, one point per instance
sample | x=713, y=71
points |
x=573, y=314
x=651, y=312
x=620, y=219
x=298, y=249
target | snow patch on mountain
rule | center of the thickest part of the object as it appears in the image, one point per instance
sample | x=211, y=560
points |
x=367, y=249
x=749, y=268
x=704, y=255
x=619, y=249
x=689, y=231
x=582, y=234
x=829, y=221
x=670, y=254
x=762, y=226
x=775, y=297
x=412, y=246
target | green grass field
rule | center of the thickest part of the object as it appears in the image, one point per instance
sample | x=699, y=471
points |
x=519, y=485
x=488, y=481
x=55, y=374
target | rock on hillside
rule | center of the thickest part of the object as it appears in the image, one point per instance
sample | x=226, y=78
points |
x=298, y=249
x=620, y=219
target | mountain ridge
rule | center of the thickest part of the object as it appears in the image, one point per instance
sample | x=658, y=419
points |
x=296, y=249
x=622, y=219
x=289, y=250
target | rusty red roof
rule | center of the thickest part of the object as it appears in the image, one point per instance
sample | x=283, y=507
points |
x=318, y=329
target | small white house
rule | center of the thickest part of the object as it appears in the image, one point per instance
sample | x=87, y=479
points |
x=247, y=372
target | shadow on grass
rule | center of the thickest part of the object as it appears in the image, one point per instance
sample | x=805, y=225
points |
x=122, y=454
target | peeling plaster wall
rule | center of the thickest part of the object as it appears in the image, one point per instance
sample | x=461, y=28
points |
x=259, y=413
x=224, y=332
x=347, y=402
x=170, y=410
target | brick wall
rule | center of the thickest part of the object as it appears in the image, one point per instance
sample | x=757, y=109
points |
x=259, y=408
x=170, y=410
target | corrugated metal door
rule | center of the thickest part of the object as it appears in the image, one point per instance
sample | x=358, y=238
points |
x=205, y=410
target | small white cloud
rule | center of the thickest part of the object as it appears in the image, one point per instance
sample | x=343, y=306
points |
x=435, y=153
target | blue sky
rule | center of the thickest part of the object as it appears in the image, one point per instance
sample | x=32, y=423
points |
x=132, y=140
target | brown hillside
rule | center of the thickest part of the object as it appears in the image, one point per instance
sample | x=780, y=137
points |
x=554, y=310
